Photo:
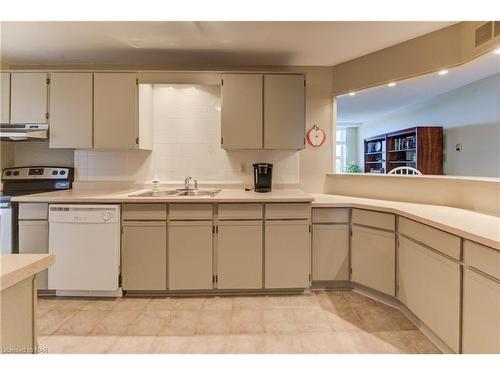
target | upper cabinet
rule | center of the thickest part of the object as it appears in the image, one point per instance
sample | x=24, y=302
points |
x=115, y=111
x=263, y=111
x=5, y=98
x=284, y=112
x=28, y=98
x=241, y=114
x=71, y=110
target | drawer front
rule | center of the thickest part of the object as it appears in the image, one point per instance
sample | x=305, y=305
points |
x=374, y=219
x=288, y=211
x=482, y=258
x=330, y=215
x=33, y=211
x=240, y=211
x=187, y=211
x=439, y=240
x=144, y=212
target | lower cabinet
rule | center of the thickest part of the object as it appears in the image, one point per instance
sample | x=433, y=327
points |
x=481, y=314
x=287, y=254
x=429, y=285
x=34, y=239
x=190, y=255
x=239, y=255
x=373, y=259
x=330, y=252
x=144, y=255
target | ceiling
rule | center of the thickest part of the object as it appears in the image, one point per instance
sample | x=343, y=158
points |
x=201, y=43
x=379, y=101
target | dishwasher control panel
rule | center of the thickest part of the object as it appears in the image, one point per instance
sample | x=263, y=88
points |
x=83, y=213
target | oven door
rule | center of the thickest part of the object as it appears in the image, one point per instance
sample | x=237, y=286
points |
x=5, y=228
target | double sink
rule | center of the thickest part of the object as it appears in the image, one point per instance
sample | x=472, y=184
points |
x=177, y=193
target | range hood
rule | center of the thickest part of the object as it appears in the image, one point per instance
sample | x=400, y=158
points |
x=24, y=132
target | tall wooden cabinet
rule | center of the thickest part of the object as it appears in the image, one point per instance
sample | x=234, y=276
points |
x=71, y=110
x=263, y=111
x=420, y=147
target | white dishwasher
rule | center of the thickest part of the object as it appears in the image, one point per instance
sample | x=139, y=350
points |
x=85, y=240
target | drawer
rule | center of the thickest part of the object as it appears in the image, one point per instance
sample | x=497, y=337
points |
x=33, y=211
x=144, y=212
x=288, y=211
x=231, y=211
x=330, y=215
x=482, y=258
x=188, y=211
x=439, y=240
x=374, y=219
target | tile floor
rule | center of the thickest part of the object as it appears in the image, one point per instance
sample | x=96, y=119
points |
x=318, y=322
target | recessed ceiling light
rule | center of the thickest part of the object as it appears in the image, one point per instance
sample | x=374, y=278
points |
x=496, y=51
x=443, y=72
x=391, y=84
x=352, y=93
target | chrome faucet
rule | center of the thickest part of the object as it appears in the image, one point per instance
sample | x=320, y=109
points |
x=188, y=180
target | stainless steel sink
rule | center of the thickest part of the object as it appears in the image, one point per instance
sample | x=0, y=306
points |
x=176, y=193
x=198, y=193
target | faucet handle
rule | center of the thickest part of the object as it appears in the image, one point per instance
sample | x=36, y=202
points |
x=195, y=184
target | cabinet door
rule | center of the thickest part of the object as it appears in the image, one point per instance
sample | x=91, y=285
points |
x=115, y=110
x=190, y=255
x=144, y=255
x=70, y=110
x=373, y=256
x=284, y=112
x=330, y=248
x=287, y=254
x=429, y=285
x=34, y=239
x=481, y=319
x=241, y=111
x=28, y=98
x=4, y=98
x=239, y=255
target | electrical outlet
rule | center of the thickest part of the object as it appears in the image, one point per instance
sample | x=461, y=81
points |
x=458, y=147
x=243, y=167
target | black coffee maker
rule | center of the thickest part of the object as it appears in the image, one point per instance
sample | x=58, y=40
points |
x=263, y=177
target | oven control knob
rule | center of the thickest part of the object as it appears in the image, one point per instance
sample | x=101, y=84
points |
x=63, y=172
x=54, y=173
x=8, y=173
x=16, y=173
x=106, y=216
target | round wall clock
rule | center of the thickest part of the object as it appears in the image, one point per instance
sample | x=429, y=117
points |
x=315, y=136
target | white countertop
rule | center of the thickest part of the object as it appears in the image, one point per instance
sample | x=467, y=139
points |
x=18, y=267
x=471, y=225
x=122, y=196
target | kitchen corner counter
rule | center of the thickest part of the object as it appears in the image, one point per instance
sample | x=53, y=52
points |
x=122, y=196
x=15, y=268
x=471, y=225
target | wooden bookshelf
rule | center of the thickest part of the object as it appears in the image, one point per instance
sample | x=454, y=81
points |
x=420, y=147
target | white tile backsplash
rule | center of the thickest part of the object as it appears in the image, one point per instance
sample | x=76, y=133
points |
x=186, y=141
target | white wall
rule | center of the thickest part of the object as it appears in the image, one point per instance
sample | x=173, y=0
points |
x=470, y=115
x=186, y=139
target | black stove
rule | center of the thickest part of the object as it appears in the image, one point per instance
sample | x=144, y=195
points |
x=24, y=181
